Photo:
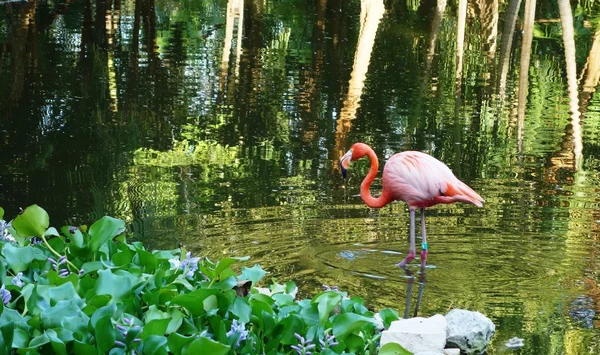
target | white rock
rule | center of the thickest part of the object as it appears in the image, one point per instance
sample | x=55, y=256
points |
x=470, y=331
x=418, y=334
x=455, y=351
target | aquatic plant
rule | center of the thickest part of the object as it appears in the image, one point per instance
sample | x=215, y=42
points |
x=89, y=290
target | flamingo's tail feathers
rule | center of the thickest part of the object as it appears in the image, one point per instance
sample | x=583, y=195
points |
x=463, y=193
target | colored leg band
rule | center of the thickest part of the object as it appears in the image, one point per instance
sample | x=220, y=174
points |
x=424, y=246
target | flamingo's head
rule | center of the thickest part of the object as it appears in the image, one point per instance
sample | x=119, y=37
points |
x=357, y=151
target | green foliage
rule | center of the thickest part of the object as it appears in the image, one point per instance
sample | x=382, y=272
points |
x=90, y=291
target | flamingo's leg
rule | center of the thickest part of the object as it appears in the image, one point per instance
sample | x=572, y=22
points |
x=412, y=252
x=424, y=246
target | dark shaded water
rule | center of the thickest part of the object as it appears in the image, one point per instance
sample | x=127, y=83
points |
x=219, y=124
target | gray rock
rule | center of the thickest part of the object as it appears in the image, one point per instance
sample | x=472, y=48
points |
x=469, y=331
x=418, y=334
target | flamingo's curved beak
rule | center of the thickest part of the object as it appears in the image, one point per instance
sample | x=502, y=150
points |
x=345, y=162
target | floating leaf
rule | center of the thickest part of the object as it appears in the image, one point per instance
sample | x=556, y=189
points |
x=241, y=309
x=33, y=222
x=254, y=274
x=105, y=334
x=110, y=284
x=204, y=345
x=156, y=345
x=326, y=303
x=393, y=349
x=18, y=258
x=177, y=341
x=104, y=230
x=347, y=323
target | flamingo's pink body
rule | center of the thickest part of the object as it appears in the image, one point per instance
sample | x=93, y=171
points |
x=416, y=178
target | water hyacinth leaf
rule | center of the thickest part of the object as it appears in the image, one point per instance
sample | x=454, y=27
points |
x=191, y=302
x=77, y=324
x=1, y=213
x=155, y=345
x=204, y=345
x=155, y=327
x=393, y=349
x=175, y=322
x=326, y=303
x=115, y=285
x=210, y=303
x=347, y=323
x=177, y=341
x=104, y=230
x=20, y=339
x=57, y=344
x=33, y=222
x=282, y=299
x=147, y=260
x=226, y=284
x=103, y=312
x=105, y=334
x=241, y=309
x=63, y=292
x=354, y=343
x=224, y=264
x=52, y=317
x=388, y=315
x=38, y=341
x=79, y=347
x=7, y=334
x=18, y=259
x=74, y=235
x=254, y=274
x=268, y=323
x=292, y=325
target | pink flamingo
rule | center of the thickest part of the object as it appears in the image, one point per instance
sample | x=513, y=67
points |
x=416, y=178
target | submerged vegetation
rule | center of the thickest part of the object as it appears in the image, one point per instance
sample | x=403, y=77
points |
x=87, y=290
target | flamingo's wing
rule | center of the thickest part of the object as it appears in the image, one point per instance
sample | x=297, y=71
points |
x=422, y=181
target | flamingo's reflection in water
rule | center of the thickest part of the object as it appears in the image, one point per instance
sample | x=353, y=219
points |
x=410, y=280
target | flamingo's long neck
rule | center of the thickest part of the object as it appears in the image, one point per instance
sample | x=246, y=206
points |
x=365, y=186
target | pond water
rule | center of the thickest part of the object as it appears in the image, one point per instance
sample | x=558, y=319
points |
x=219, y=124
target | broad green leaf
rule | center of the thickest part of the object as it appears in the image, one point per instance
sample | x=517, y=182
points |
x=1, y=213
x=7, y=331
x=347, y=323
x=282, y=299
x=58, y=345
x=103, y=230
x=156, y=345
x=80, y=347
x=224, y=264
x=388, y=315
x=292, y=324
x=52, y=317
x=326, y=303
x=75, y=324
x=210, y=303
x=147, y=260
x=177, y=341
x=204, y=345
x=241, y=309
x=115, y=285
x=20, y=339
x=63, y=292
x=39, y=341
x=191, y=302
x=18, y=258
x=155, y=327
x=393, y=349
x=254, y=274
x=33, y=222
x=105, y=334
